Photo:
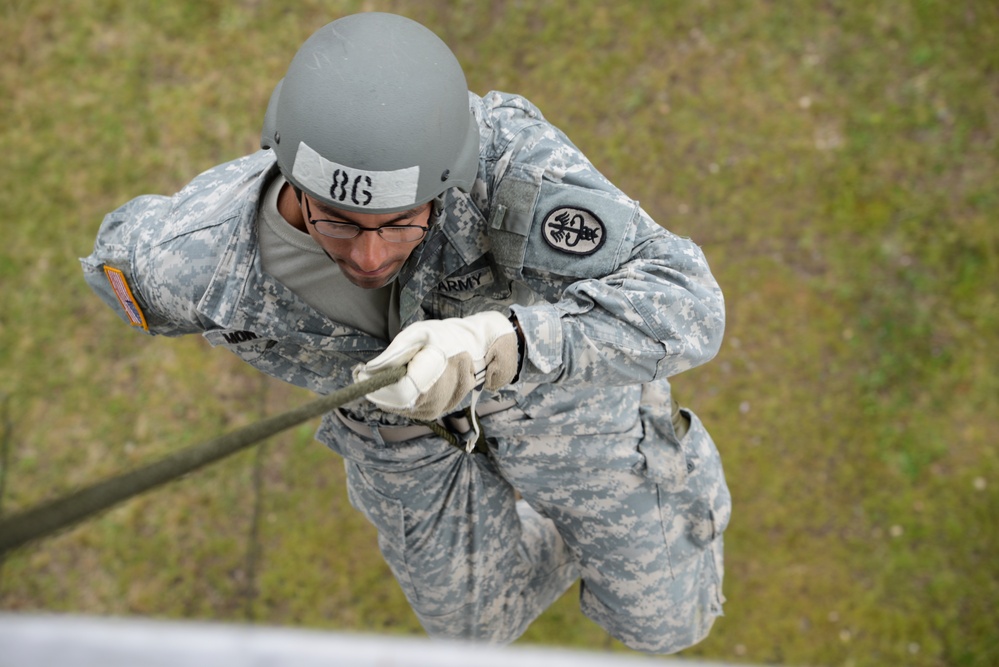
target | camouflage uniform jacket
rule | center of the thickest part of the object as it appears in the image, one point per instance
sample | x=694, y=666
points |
x=605, y=296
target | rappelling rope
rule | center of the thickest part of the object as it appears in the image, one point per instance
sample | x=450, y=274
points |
x=43, y=520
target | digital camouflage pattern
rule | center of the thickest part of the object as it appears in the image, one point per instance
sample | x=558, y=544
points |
x=610, y=304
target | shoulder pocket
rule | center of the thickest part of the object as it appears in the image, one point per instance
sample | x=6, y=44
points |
x=117, y=290
x=578, y=232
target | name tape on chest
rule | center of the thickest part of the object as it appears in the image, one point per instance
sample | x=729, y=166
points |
x=355, y=187
x=575, y=231
x=124, y=293
x=466, y=283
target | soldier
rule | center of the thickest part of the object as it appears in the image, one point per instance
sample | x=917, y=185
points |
x=393, y=218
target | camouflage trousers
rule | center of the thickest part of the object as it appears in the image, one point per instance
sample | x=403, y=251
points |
x=637, y=515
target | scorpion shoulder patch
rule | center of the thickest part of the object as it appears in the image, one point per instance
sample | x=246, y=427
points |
x=575, y=231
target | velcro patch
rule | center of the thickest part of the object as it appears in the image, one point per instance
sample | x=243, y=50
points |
x=124, y=293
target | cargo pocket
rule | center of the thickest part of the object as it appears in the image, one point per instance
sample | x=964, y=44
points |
x=706, y=481
x=694, y=498
x=306, y=366
x=388, y=517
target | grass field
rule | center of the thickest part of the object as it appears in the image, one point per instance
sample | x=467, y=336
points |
x=839, y=163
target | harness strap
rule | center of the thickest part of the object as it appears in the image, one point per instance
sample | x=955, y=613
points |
x=455, y=428
x=450, y=427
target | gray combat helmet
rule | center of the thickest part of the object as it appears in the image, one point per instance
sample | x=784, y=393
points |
x=373, y=116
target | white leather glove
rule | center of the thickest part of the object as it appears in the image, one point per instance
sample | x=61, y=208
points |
x=445, y=360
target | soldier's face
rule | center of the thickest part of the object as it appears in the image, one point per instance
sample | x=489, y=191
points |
x=368, y=260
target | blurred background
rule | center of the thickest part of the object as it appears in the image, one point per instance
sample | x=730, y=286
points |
x=838, y=161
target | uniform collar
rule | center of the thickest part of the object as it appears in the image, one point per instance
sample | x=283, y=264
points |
x=456, y=241
x=242, y=297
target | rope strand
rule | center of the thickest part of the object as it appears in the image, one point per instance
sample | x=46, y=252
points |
x=48, y=518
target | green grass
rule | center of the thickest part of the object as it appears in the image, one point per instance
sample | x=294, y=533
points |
x=838, y=162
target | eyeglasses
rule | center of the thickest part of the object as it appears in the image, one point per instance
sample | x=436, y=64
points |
x=348, y=230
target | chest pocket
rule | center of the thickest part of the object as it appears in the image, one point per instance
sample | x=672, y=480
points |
x=305, y=366
x=247, y=345
x=470, y=292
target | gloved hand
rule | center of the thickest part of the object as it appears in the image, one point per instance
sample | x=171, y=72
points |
x=445, y=360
